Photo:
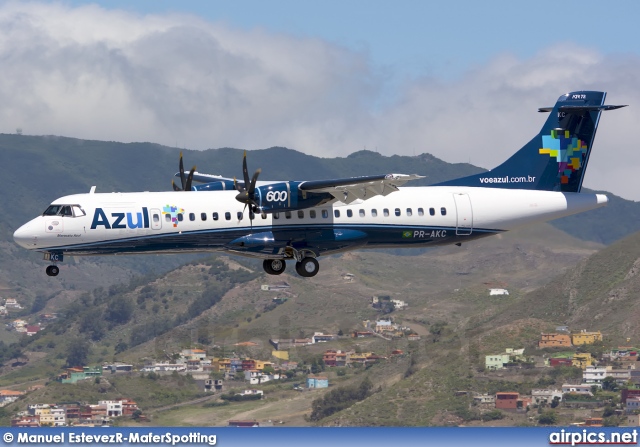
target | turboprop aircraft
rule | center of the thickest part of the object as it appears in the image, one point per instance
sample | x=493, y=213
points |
x=303, y=220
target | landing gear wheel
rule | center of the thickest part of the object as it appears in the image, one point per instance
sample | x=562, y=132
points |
x=308, y=267
x=53, y=270
x=274, y=266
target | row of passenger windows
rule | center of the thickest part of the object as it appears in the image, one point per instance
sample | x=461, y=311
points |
x=313, y=214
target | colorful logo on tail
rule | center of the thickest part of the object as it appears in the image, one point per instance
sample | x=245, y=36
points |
x=568, y=151
x=173, y=211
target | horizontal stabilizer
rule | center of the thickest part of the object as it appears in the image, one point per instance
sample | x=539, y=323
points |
x=575, y=109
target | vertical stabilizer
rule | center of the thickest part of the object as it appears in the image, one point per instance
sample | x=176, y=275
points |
x=555, y=159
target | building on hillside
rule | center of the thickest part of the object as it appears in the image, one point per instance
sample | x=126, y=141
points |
x=164, y=367
x=319, y=337
x=569, y=388
x=632, y=404
x=12, y=304
x=496, y=361
x=484, y=398
x=9, y=396
x=621, y=376
x=594, y=375
x=593, y=422
x=585, y=338
x=251, y=392
x=547, y=396
x=563, y=328
x=243, y=423
x=32, y=329
x=493, y=292
x=362, y=334
x=413, y=337
x=512, y=401
x=73, y=375
x=554, y=340
x=582, y=360
x=633, y=420
x=560, y=362
x=317, y=382
x=626, y=393
x=277, y=287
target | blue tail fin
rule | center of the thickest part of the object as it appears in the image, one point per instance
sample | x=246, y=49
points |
x=556, y=158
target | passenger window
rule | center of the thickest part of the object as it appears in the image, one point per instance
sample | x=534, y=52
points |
x=287, y=214
x=263, y=215
x=432, y=211
x=325, y=214
x=215, y=216
x=312, y=214
x=361, y=213
x=374, y=212
x=156, y=218
x=397, y=211
x=300, y=214
x=167, y=217
x=192, y=217
x=227, y=215
x=203, y=216
x=180, y=217
x=276, y=215
x=385, y=212
x=336, y=213
x=443, y=211
x=409, y=212
x=349, y=213
x=420, y=212
x=240, y=216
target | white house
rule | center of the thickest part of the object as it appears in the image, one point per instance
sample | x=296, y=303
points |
x=594, y=375
x=498, y=292
x=544, y=395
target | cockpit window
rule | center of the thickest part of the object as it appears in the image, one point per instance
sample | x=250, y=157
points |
x=52, y=210
x=78, y=211
x=64, y=210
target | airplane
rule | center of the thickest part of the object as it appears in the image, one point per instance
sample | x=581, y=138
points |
x=300, y=221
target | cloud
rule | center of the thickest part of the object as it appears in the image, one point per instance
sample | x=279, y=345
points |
x=172, y=79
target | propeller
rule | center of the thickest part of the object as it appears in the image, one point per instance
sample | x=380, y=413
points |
x=186, y=181
x=246, y=194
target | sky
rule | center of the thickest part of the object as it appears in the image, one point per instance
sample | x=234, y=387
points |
x=461, y=80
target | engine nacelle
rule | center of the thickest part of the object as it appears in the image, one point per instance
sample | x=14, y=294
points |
x=285, y=196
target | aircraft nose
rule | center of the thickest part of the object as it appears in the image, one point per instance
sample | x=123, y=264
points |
x=23, y=237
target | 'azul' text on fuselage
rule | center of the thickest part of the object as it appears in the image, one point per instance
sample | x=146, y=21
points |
x=131, y=220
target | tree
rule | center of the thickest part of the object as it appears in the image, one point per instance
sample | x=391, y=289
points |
x=609, y=384
x=548, y=418
x=119, y=311
x=77, y=352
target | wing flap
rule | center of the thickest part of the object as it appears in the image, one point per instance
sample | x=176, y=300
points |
x=359, y=188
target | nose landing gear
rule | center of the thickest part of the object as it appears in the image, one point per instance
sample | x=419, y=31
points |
x=52, y=270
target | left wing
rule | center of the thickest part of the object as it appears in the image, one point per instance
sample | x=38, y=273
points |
x=348, y=190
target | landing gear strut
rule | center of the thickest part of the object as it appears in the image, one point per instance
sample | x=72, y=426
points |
x=307, y=267
x=52, y=270
x=274, y=266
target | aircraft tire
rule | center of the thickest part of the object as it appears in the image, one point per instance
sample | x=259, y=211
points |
x=274, y=266
x=308, y=267
x=53, y=270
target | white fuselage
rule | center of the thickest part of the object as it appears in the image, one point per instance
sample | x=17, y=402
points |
x=147, y=222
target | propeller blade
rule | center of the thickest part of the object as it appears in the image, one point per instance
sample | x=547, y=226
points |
x=182, y=177
x=245, y=171
x=190, y=179
x=252, y=186
x=175, y=187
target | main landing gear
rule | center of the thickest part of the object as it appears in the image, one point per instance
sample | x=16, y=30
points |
x=306, y=266
x=52, y=270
